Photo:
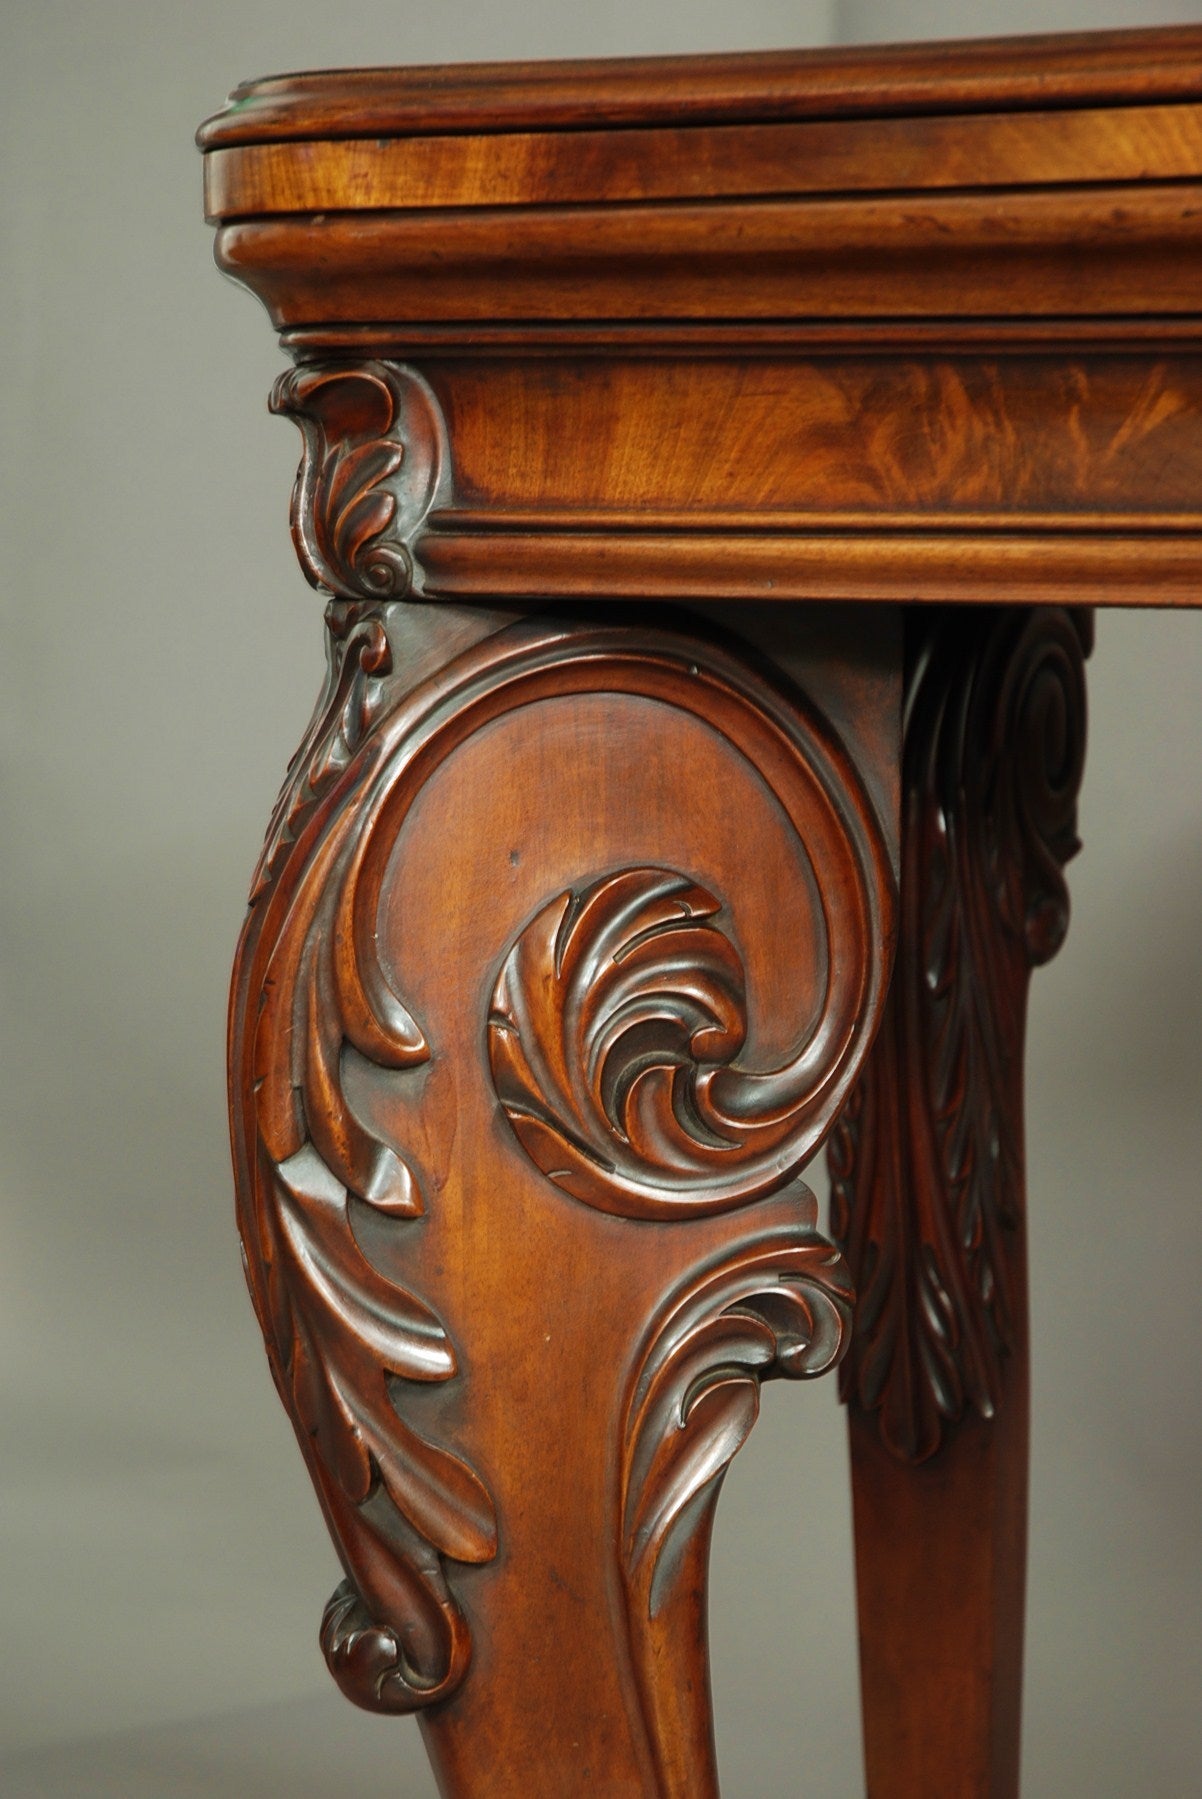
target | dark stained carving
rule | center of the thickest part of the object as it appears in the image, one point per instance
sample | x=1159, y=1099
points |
x=777, y=1304
x=374, y=460
x=927, y=1160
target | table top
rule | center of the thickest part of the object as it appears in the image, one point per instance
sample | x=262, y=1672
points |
x=1102, y=68
x=1050, y=178
x=921, y=322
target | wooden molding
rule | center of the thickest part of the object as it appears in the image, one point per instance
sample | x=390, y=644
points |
x=1116, y=68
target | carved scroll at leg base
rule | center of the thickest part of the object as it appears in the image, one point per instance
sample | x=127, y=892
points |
x=929, y=1201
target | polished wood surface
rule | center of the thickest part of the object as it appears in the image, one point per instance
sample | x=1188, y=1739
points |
x=705, y=161
x=577, y=916
x=1118, y=68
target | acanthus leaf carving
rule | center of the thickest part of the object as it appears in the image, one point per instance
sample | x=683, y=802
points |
x=359, y=662
x=926, y=1160
x=775, y=1305
x=610, y=1014
x=343, y=1340
x=374, y=462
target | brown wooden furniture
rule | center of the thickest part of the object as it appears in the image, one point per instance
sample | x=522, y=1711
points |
x=647, y=407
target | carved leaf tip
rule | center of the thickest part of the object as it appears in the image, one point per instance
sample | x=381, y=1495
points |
x=393, y=1187
x=373, y=458
x=779, y=1308
x=440, y=1496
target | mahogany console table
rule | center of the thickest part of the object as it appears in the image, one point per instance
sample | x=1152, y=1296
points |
x=710, y=464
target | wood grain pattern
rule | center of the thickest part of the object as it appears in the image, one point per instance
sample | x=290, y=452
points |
x=1077, y=251
x=827, y=442
x=1150, y=143
x=1050, y=478
x=888, y=325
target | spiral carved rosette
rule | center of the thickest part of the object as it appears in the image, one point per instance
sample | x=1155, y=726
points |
x=375, y=460
x=619, y=1015
x=927, y=1160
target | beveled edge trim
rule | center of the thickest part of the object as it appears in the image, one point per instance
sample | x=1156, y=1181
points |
x=633, y=338
x=1148, y=569
x=1071, y=69
x=1120, y=249
x=770, y=521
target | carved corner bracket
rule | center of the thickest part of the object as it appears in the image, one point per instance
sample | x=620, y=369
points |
x=927, y=1159
x=375, y=461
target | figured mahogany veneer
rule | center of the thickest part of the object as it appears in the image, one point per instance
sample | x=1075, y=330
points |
x=578, y=914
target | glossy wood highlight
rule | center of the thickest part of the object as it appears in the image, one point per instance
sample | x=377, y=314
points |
x=519, y=1101
x=1084, y=251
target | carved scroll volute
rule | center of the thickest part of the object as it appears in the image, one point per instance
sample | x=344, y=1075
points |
x=468, y=1045
x=620, y=1012
x=927, y=1159
x=375, y=461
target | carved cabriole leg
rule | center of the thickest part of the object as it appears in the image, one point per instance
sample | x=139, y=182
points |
x=928, y=1197
x=568, y=941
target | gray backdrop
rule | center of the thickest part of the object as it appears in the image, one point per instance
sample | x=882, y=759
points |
x=162, y=1565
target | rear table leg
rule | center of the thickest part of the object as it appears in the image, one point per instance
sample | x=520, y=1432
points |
x=928, y=1198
